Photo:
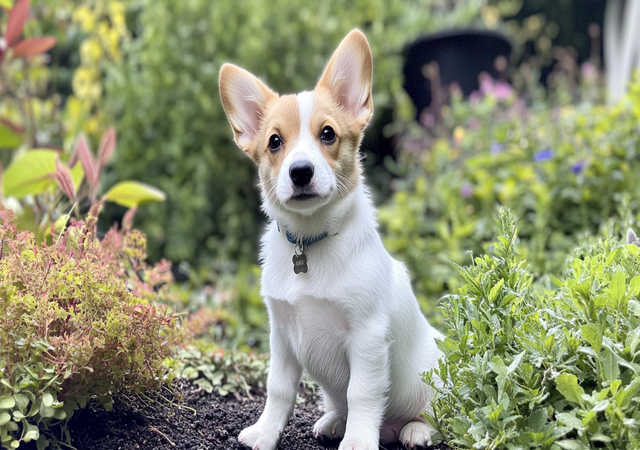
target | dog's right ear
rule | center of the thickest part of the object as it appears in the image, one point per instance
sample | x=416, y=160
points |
x=244, y=99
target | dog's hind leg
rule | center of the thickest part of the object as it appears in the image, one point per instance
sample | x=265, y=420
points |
x=332, y=424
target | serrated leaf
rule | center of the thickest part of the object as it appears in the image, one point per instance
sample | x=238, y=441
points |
x=30, y=173
x=567, y=385
x=133, y=194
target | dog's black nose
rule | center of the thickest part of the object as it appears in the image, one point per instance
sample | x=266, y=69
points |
x=301, y=173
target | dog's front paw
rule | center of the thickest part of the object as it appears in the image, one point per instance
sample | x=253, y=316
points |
x=358, y=444
x=330, y=426
x=256, y=438
x=417, y=434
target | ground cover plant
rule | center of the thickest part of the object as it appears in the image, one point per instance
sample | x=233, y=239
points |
x=526, y=367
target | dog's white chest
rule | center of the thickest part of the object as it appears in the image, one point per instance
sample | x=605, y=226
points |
x=318, y=334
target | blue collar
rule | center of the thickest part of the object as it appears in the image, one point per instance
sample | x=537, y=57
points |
x=307, y=241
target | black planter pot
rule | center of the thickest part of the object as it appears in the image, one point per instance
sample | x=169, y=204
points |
x=461, y=55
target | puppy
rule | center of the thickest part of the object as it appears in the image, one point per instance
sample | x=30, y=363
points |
x=339, y=306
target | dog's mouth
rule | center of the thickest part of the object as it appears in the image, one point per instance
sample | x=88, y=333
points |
x=304, y=196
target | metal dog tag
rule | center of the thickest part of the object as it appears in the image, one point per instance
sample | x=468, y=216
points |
x=300, y=264
x=300, y=260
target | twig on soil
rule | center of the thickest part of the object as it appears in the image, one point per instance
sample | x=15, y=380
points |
x=152, y=428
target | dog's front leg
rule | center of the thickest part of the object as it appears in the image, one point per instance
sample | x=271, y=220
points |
x=368, y=385
x=282, y=384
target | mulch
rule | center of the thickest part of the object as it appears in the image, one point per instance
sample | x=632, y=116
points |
x=150, y=425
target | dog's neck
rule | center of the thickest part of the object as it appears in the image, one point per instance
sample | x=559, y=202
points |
x=332, y=218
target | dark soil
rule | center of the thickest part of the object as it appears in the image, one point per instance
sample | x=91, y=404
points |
x=215, y=425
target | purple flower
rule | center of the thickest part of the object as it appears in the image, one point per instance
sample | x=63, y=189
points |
x=577, y=167
x=496, y=148
x=502, y=90
x=543, y=155
x=466, y=190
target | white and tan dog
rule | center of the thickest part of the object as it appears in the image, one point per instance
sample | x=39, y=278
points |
x=339, y=306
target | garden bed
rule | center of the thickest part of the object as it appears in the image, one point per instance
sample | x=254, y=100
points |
x=216, y=424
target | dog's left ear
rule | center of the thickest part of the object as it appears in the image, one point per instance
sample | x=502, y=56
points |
x=348, y=76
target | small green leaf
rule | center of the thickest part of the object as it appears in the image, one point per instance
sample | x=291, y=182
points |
x=634, y=285
x=47, y=399
x=4, y=418
x=133, y=194
x=617, y=288
x=567, y=385
x=612, y=256
x=495, y=290
x=610, y=365
x=30, y=173
x=571, y=444
x=593, y=335
x=569, y=420
x=7, y=402
x=32, y=434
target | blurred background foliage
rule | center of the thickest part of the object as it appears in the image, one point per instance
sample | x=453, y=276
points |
x=539, y=140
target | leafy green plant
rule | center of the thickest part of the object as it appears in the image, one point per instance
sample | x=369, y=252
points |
x=74, y=326
x=563, y=168
x=530, y=368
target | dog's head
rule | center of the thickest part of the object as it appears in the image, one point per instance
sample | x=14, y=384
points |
x=306, y=144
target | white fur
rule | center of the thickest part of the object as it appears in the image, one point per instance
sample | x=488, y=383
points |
x=353, y=323
x=306, y=149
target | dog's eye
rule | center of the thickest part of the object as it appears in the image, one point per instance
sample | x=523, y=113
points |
x=328, y=136
x=275, y=143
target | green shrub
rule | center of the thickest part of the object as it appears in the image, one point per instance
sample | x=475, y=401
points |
x=528, y=368
x=562, y=168
x=73, y=326
x=173, y=131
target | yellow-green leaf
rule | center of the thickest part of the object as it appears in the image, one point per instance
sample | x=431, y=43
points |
x=568, y=386
x=77, y=175
x=9, y=138
x=132, y=194
x=593, y=335
x=30, y=173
